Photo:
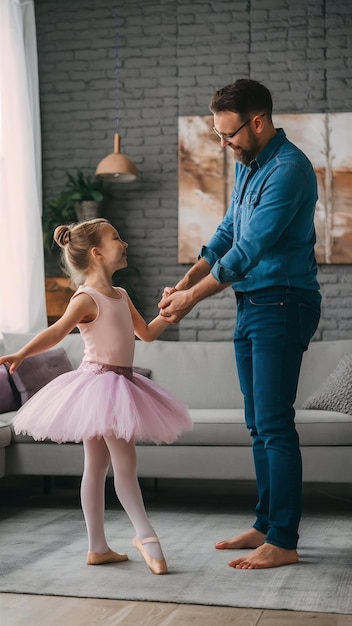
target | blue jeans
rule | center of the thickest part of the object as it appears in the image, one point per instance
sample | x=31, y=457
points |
x=273, y=329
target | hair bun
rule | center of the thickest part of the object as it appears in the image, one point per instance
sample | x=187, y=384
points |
x=62, y=235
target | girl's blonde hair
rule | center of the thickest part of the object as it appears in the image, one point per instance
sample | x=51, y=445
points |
x=76, y=241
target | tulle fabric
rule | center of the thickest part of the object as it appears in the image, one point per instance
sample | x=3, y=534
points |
x=95, y=400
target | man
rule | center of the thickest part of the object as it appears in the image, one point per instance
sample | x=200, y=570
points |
x=264, y=248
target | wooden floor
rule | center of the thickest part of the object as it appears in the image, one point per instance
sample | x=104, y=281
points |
x=33, y=610
x=26, y=610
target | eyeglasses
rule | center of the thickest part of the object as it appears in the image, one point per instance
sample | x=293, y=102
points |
x=227, y=137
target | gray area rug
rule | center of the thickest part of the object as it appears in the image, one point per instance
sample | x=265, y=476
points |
x=42, y=551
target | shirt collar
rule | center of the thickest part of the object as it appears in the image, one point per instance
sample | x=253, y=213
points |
x=269, y=150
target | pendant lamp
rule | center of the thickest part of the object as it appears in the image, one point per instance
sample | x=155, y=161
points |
x=117, y=168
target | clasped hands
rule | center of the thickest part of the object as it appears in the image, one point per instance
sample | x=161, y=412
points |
x=174, y=305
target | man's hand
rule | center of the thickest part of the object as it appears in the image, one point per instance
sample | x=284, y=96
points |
x=174, y=305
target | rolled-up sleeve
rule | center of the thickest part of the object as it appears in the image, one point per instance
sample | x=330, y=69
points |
x=221, y=274
x=208, y=255
x=219, y=245
x=224, y=274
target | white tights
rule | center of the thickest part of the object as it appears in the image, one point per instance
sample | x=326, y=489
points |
x=98, y=453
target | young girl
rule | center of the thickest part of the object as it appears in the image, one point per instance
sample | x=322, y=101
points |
x=103, y=403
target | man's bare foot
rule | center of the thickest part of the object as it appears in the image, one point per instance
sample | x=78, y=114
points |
x=252, y=538
x=265, y=556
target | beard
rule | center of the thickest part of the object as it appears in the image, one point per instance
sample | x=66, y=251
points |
x=243, y=156
x=246, y=155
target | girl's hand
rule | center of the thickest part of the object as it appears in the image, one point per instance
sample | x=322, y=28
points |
x=167, y=292
x=14, y=360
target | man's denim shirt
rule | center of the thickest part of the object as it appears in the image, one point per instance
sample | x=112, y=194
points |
x=267, y=236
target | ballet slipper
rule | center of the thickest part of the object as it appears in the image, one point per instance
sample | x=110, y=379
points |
x=156, y=566
x=96, y=558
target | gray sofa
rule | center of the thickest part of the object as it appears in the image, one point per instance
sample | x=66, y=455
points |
x=203, y=375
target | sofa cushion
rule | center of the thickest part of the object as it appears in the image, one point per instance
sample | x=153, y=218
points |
x=38, y=370
x=9, y=397
x=226, y=427
x=335, y=393
x=5, y=434
x=6, y=418
x=323, y=428
x=216, y=427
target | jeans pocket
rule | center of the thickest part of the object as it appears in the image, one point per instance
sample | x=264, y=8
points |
x=268, y=299
x=308, y=321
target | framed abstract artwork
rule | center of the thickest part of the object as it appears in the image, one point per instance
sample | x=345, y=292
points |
x=206, y=178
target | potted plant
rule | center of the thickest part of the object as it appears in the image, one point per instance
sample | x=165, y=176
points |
x=79, y=200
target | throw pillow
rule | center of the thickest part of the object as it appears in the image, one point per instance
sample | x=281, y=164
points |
x=335, y=394
x=9, y=397
x=38, y=370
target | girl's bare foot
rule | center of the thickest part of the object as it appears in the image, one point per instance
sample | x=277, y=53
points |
x=252, y=538
x=265, y=556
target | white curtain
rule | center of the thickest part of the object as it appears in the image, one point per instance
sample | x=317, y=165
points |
x=22, y=282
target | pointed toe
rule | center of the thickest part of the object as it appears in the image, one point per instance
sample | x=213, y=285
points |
x=156, y=566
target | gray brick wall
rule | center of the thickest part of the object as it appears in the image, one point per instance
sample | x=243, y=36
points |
x=135, y=66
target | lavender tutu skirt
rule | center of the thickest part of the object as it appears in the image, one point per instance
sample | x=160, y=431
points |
x=101, y=400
